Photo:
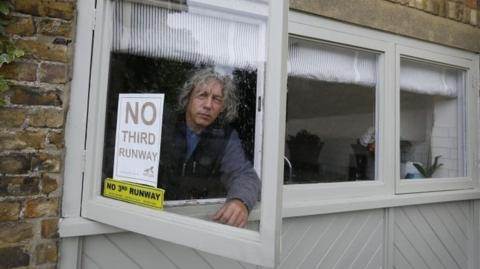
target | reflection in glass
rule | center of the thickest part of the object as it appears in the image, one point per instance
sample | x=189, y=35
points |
x=330, y=134
x=208, y=69
x=432, y=121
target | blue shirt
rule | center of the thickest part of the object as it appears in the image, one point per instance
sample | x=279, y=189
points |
x=192, y=142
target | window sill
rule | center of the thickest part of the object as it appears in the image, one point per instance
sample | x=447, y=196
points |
x=78, y=226
x=298, y=209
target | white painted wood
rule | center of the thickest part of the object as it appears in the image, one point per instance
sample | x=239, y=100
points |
x=274, y=133
x=315, y=207
x=71, y=227
x=70, y=252
x=98, y=247
x=76, y=122
x=141, y=249
x=89, y=263
x=430, y=236
x=474, y=258
x=359, y=246
x=424, y=236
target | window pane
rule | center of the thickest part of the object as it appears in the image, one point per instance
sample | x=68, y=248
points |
x=208, y=69
x=330, y=134
x=432, y=120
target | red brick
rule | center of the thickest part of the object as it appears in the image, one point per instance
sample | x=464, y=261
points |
x=46, y=253
x=14, y=164
x=19, y=186
x=11, y=257
x=49, y=184
x=12, y=117
x=22, y=140
x=21, y=26
x=41, y=207
x=46, y=162
x=50, y=8
x=50, y=228
x=57, y=139
x=471, y=3
x=14, y=232
x=44, y=49
x=53, y=73
x=9, y=211
x=46, y=117
x=33, y=96
x=55, y=27
x=23, y=71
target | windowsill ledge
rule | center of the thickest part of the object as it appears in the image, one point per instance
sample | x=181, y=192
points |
x=78, y=226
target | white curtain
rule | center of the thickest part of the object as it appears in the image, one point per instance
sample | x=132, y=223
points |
x=308, y=59
x=151, y=31
x=429, y=79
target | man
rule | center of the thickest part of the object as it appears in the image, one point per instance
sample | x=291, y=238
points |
x=202, y=156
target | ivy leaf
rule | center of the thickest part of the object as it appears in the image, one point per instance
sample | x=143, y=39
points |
x=3, y=84
x=4, y=8
x=4, y=59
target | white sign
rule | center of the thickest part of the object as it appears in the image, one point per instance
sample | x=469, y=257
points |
x=138, y=137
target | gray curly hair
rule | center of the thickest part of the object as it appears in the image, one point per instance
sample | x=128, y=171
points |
x=230, y=99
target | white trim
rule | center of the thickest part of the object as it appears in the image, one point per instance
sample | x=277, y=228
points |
x=71, y=253
x=69, y=227
x=296, y=209
x=388, y=241
x=76, y=122
x=474, y=258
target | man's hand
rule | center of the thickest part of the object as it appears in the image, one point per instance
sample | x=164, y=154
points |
x=233, y=213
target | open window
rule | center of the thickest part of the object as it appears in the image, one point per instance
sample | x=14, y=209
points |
x=211, y=53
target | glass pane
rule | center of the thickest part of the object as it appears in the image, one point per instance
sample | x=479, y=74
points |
x=432, y=120
x=209, y=70
x=330, y=135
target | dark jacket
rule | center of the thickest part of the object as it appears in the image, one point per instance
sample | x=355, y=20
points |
x=217, y=167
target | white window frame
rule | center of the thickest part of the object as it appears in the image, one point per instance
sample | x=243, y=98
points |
x=246, y=245
x=387, y=190
x=469, y=66
x=315, y=28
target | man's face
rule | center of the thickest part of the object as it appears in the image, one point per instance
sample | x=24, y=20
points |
x=204, y=105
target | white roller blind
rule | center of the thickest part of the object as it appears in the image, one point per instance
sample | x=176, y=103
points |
x=429, y=79
x=312, y=60
x=151, y=31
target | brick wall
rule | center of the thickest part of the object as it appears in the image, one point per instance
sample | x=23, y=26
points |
x=463, y=11
x=32, y=133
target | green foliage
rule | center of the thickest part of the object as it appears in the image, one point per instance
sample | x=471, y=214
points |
x=428, y=170
x=9, y=52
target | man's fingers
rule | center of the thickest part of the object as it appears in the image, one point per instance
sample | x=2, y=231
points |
x=219, y=213
x=233, y=213
x=233, y=219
